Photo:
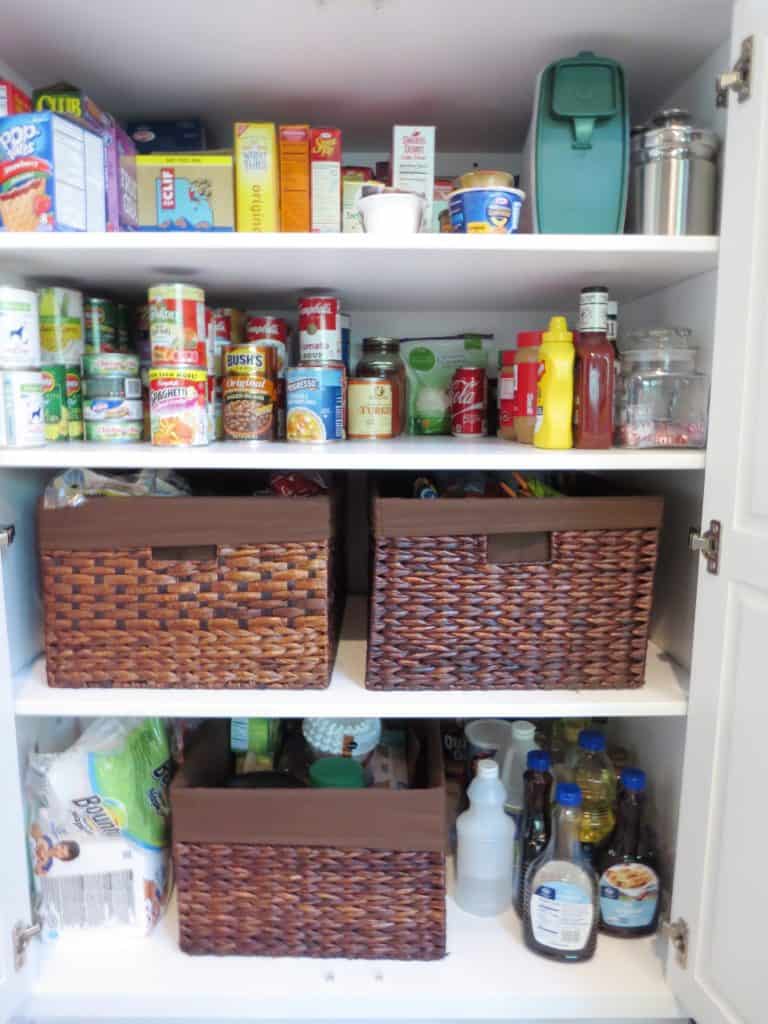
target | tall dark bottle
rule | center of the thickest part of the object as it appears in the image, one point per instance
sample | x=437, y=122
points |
x=629, y=886
x=536, y=821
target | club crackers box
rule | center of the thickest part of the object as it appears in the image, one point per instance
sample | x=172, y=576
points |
x=51, y=175
x=121, y=195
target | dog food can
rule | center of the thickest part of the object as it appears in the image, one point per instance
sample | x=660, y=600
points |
x=177, y=326
x=55, y=413
x=249, y=393
x=111, y=364
x=100, y=325
x=143, y=344
x=74, y=403
x=370, y=407
x=62, y=330
x=112, y=409
x=112, y=387
x=19, y=328
x=114, y=431
x=315, y=403
x=21, y=409
x=178, y=406
x=320, y=329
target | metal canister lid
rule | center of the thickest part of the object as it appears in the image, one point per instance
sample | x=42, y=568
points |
x=671, y=132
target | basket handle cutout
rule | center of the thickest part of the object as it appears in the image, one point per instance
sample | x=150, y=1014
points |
x=508, y=548
x=185, y=553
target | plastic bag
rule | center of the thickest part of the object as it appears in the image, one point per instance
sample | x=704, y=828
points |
x=72, y=488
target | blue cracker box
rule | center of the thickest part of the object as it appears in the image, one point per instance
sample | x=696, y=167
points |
x=51, y=175
x=167, y=136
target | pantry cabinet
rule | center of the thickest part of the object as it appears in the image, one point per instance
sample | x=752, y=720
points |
x=700, y=720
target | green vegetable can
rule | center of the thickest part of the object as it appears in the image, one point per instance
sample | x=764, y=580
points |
x=100, y=326
x=55, y=413
x=74, y=403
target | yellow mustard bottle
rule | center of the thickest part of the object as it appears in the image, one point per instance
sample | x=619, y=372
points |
x=554, y=405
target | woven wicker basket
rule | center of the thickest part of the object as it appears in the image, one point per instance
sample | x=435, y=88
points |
x=555, y=593
x=309, y=872
x=189, y=592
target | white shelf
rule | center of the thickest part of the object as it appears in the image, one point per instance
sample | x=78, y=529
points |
x=417, y=272
x=402, y=453
x=488, y=972
x=664, y=694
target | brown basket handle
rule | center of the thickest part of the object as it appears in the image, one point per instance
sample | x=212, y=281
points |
x=185, y=552
x=509, y=548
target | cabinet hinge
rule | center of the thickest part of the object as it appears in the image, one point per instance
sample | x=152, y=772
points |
x=677, y=933
x=739, y=80
x=708, y=544
x=7, y=534
x=21, y=936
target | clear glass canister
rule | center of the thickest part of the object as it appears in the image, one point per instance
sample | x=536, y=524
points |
x=381, y=358
x=663, y=400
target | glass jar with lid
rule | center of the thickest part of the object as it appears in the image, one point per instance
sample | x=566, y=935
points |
x=663, y=400
x=381, y=358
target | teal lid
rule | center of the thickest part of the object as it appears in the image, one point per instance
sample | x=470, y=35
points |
x=337, y=773
x=585, y=88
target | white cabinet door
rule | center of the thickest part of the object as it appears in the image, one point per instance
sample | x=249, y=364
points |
x=723, y=831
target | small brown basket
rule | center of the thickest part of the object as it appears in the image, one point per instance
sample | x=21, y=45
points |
x=226, y=593
x=309, y=872
x=504, y=593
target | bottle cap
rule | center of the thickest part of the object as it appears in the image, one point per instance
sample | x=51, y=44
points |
x=558, y=330
x=522, y=730
x=594, y=288
x=507, y=356
x=633, y=779
x=568, y=794
x=538, y=760
x=337, y=773
x=487, y=768
x=527, y=339
x=591, y=739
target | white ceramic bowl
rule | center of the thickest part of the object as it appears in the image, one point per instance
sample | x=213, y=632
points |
x=391, y=213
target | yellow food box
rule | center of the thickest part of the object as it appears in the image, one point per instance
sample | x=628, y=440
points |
x=185, y=191
x=256, y=179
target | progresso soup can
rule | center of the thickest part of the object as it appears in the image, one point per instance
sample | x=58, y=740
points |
x=315, y=403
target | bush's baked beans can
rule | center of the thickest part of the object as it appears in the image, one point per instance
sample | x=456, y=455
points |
x=177, y=326
x=21, y=409
x=315, y=403
x=100, y=325
x=273, y=331
x=320, y=329
x=178, y=406
x=249, y=392
x=371, y=409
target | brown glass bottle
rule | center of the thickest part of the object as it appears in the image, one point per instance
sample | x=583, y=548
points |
x=536, y=820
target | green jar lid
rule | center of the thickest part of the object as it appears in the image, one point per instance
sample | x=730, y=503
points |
x=337, y=773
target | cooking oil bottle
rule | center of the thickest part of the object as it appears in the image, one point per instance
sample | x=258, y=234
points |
x=596, y=777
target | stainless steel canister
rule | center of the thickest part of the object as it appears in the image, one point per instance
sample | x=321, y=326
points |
x=673, y=177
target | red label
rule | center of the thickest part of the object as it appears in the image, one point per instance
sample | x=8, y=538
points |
x=524, y=401
x=320, y=328
x=266, y=328
x=326, y=144
x=468, y=403
x=167, y=188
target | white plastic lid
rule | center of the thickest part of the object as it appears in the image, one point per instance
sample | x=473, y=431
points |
x=522, y=730
x=487, y=768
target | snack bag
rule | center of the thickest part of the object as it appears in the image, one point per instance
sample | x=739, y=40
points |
x=429, y=365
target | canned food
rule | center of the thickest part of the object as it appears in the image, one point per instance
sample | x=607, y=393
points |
x=227, y=330
x=55, y=414
x=111, y=364
x=114, y=431
x=468, y=402
x=19, y=328
x=249, y=392
x=370, y=407
x=74, y=403
x=62, y=331
x=178, y=406
x=21, y=409
x=112, y=409
x=265, y=328
x=143, y=344
x=100, y=325
x=346, y=338
x=112, y=387
x=320, y=329
x=315, y=403
x=124, y=328
x=177, y=326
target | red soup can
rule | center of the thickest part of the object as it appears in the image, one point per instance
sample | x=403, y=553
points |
x=265, y=328
x=468, y=402
x=320, y=329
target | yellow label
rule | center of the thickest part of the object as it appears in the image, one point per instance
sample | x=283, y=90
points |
x=223, y=159
x=369, y=408
x=555, y=396
x=256, y=190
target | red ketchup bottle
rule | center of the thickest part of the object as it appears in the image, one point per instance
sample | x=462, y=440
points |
x=594, y=373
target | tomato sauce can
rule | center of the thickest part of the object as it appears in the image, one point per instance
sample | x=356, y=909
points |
x=320, y=329
x=469, y=402
x=249, y=392
x=315, y=403
x=177, y=326
x=178, y=406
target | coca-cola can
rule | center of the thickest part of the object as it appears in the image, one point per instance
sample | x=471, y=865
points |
x=469, y=402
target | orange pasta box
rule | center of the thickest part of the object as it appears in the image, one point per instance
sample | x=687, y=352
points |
x=256, y=184
x=325, y=156
x=295, y=207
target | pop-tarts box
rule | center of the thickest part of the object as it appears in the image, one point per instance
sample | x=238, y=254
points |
x=51, y=175
x=121, y=195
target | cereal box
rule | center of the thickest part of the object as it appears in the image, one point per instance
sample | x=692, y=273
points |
x=12, y=99
x=256, y=187
x=119, y=151
x=185, y=192
x=325, y=154
x=352, y=179
x=51, y=175
x=413, y=164
x=294, y=177
x=185, y=136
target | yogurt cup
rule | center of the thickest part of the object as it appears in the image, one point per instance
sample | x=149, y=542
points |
x=391, y=213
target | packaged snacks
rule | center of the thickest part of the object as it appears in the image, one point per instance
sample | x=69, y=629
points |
x=177, y=326
x=256, y=183
x=167, y=136
x=62, y=327
x=430, y=364
x=19, y=329
x=13, y=100
x=185, y=192
x=352, y=180
x=51, y=175
x=320, y=329
x=178, y=407
x=111, y=364
x=315, y=403
x=74, y=402
x=99, y=828
x=295, y=213
x=21, y=409
x=413, y=164
x=325, y=156
x=250, y=392
x=100, y=325
x=55, y=413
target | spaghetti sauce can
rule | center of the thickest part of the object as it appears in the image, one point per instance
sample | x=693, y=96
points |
x=178, y=406
x=177, y=326
x=320, y=329
x=249, y=393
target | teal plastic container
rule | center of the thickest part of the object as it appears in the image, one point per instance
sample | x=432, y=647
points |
x=578, y=148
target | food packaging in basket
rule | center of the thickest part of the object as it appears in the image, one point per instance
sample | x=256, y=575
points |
x=486, y=211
